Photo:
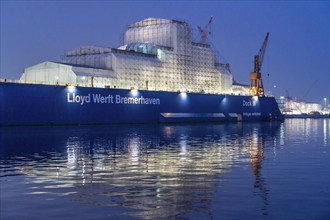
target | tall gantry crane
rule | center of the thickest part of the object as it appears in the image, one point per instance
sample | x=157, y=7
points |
x=256, y=85
x=204, y=32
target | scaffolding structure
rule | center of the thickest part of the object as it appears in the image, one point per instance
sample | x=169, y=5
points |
x=158, y=54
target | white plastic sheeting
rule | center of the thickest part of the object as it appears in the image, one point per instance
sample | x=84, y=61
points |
x=49, y=73
x=157, y=52
x=57, y=73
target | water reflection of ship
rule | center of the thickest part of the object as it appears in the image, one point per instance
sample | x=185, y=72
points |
x=159, y=174
x=154, y=171
x=257, y=155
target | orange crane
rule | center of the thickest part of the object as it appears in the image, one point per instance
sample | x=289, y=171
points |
x=256, y=85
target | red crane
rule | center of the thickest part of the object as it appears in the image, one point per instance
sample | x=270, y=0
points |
x=204, y=32
x=256, y=85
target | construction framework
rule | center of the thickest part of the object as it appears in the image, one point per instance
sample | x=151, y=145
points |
x=157, y=54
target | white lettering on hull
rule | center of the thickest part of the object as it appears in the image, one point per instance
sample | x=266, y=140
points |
x=72, y=97
x=110, y=99
x=249, y=114
x=251, y=102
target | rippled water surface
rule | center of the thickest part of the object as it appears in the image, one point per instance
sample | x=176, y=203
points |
x=198, y=171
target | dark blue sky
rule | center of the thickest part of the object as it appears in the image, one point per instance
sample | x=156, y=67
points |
x=297, y=57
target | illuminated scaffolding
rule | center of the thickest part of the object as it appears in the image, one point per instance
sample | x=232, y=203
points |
x=157, y=54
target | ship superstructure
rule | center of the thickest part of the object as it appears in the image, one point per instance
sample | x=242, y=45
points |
x=158, y=54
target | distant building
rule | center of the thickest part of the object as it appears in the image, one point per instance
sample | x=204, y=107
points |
x=292, y=107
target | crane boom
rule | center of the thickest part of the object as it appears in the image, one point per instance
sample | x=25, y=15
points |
x=262, y=51
x=256, y=85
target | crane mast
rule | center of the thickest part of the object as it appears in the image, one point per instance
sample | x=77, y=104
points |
x=256, y=85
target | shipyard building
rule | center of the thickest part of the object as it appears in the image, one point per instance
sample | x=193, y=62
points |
x=289, y=106
x=157, y=54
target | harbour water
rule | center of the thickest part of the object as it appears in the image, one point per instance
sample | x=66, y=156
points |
x=181, y=171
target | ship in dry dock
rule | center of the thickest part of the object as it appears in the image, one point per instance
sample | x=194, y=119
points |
x=159, y=74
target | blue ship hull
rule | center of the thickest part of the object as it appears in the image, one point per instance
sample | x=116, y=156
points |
x=33, y=104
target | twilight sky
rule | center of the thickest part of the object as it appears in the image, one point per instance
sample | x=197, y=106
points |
x=297, y=55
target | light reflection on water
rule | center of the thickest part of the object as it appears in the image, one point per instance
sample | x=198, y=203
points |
x=163, y=171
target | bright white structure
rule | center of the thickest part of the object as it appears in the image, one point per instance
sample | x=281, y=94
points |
x=157, y=54
x=240, y=89
x=60, y=73
x=300, y=107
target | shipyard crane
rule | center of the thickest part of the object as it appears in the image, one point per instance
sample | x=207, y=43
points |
x=307, y=91
x=204, y=32
x=256, y=85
